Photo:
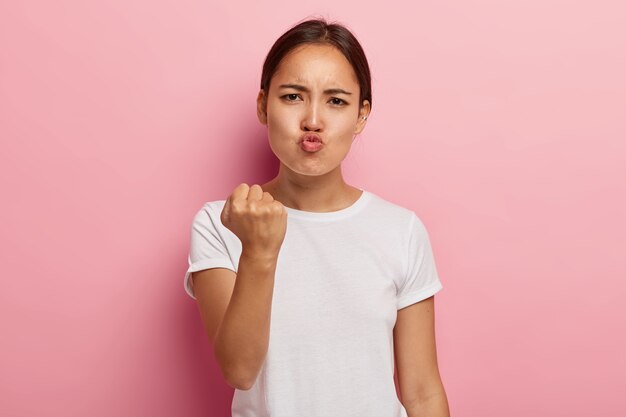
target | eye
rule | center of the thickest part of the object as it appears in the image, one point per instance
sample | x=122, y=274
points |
x=337, y=101
x=291, y=97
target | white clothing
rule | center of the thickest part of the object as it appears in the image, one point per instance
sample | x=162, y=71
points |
x=340, y=278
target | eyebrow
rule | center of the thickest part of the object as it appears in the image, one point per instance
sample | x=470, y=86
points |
x=303, y=88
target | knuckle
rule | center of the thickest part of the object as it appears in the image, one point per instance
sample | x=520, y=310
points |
x=237, y=207
x=254, y=208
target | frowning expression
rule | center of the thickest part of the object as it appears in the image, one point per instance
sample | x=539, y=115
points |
x=313, y=97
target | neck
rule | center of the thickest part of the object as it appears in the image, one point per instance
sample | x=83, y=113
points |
x=320, y=193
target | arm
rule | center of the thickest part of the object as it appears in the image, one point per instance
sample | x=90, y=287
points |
x=236, y=313
x=236, y=308
x=421, y=390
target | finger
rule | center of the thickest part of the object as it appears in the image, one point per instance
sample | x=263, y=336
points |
x=225, y=214
x=267, y=196
x=240, y=192
x=280, y=207
x=256, y=192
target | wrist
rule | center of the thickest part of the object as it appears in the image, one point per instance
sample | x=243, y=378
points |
x=259, y=256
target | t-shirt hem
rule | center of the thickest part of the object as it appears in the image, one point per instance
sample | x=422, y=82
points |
x=418, y=296
x=201, y=265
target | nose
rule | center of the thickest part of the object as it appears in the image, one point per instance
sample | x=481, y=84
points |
x=311, y=120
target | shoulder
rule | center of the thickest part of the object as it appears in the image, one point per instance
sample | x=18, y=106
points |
x=211, y=207
x=209, y=212
x=396, y=220
x=393, y=213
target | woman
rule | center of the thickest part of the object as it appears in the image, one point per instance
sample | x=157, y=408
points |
x=308, y=286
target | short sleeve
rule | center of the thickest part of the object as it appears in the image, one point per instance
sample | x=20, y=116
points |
x=207, y=248
x=421, y=279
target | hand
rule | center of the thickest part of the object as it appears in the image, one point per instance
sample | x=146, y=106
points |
x=259, y=221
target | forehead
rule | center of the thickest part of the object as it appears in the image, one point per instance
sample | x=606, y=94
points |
x=316, y=64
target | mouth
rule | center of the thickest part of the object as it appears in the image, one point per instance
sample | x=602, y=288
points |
x=310, y=137
x=310, y=142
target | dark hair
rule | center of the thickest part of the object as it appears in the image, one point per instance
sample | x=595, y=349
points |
x=319, y=31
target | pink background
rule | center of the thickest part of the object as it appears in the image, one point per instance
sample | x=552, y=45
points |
x=501, y=123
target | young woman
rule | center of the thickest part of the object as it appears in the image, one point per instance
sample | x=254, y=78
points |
x=310, y=288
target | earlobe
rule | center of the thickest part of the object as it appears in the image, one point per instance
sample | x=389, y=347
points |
x=364, y=112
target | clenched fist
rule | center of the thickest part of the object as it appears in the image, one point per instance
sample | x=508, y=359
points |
x=259, y=221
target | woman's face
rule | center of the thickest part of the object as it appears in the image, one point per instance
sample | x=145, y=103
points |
x=313, y=96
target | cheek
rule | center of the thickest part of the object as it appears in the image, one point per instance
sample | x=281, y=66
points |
x=279, y=118
x=347, y=124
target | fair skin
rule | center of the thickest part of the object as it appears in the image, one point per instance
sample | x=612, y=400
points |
x=297, y=102
x=303, y=97
x=421, y=389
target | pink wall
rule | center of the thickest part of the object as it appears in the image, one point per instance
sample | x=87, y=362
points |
x=501, y=123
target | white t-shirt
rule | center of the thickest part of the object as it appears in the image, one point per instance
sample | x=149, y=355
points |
x=340, y=278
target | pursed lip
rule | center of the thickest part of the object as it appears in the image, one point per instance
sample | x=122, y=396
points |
x=312, y=137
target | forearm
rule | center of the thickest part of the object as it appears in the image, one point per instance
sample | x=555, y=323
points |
x=435, y=405
x=242, y=338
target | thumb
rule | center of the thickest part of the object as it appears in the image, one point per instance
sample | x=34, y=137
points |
x=225, y=215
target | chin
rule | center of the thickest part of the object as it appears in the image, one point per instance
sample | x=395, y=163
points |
x=312, y=171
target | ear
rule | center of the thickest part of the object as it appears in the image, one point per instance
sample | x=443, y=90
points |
x=364, y=112
x=261, y=107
